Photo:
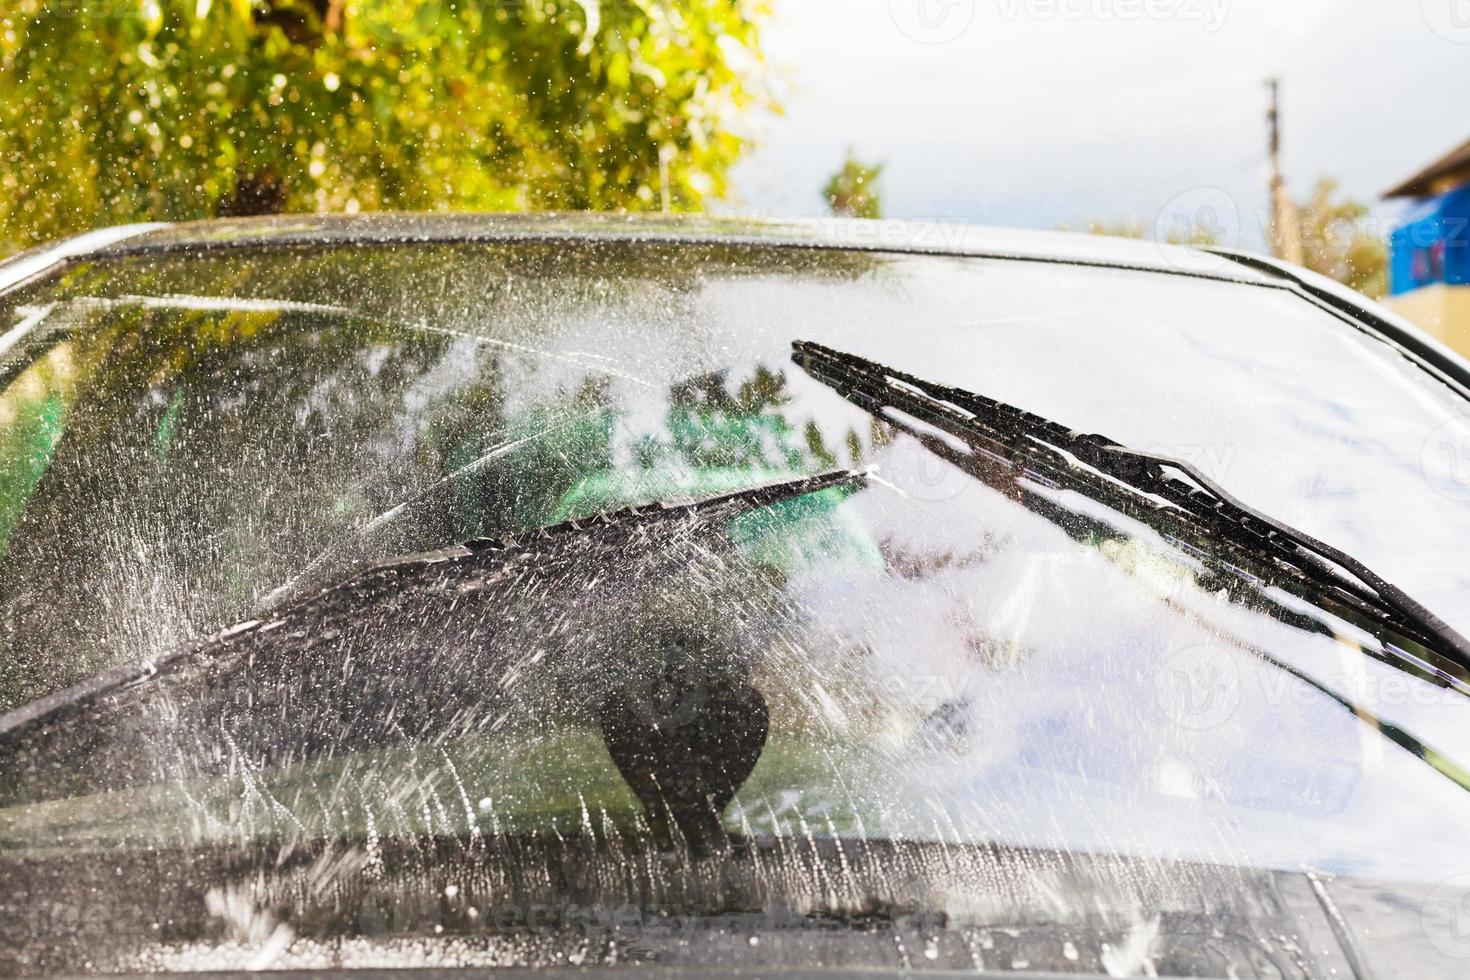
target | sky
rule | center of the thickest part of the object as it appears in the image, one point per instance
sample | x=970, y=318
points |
x=1050, y=113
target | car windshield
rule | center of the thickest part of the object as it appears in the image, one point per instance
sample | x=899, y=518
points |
x=364, y=515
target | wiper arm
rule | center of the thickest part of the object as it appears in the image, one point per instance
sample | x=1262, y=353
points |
x=1142, y=484
x=387, y=582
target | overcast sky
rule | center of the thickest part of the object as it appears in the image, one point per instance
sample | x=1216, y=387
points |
x=1039, y=113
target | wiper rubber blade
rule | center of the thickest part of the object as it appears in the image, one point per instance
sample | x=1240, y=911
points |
x=395, y=575
x=1160, y=485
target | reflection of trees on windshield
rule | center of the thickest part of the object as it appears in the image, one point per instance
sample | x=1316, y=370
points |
x=32, y=417
x=509, y=291
x=196, y=463
x=951, y=683
x=216, y=453
x=206, y=457
x=710, y=426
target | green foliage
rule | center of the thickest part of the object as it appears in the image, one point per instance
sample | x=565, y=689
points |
x=1334, y=236
x=123, y=110
x=852, y=192
x=1336, y=242
x=1201, y=235
x=1112, y=229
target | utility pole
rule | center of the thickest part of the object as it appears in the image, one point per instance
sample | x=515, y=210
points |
x=1286, y=237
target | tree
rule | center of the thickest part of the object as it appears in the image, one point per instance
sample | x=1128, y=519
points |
x=852, y=192
x=1334, y=234
x=126, y=110
x=1337, y=242
x=1201, y=234
x=1113, y=229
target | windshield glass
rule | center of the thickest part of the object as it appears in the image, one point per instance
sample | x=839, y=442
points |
x=914, y=696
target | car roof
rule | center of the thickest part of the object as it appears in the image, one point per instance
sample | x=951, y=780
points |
x=920, y=237
x=902, y=236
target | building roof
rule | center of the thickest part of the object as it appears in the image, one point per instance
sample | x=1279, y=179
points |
x=1450, y=168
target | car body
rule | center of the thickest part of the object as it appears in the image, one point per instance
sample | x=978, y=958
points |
x=371, y=587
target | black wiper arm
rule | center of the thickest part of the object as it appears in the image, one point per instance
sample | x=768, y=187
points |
x=1158, y=483
x=391, y=579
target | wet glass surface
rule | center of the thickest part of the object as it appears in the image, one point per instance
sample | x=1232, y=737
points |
x=200, y=451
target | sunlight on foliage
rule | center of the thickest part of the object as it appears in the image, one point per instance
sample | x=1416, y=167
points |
x=123, y=110
x=852, y=192
x=1338, y=242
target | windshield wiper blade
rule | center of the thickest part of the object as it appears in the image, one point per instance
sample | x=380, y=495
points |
x=394, y=577
x=1158, y=484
